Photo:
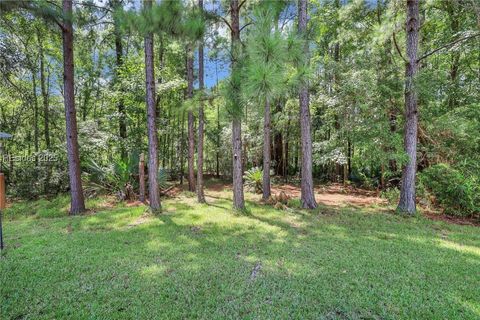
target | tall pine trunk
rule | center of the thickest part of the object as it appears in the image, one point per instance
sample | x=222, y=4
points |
x=200, y=192
x=307, y=197
x=36, y=129
x=44, y=91
x=191, y=122
x=153, y=191
x=238, y=197
x=217, y=153
x=407, y=194
x=46, y=116
x=266, y=151
x=122, y=120
x=77, y=204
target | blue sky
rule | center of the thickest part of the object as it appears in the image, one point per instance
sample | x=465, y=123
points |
x=215, y=69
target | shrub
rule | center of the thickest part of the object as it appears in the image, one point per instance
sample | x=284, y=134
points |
x=457, y=193
x=253, y=179
x=392, y=195
x=117, y=178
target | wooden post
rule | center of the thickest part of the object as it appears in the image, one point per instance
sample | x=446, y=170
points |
x=141, y=175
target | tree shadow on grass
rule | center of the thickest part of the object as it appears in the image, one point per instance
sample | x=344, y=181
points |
x=349, y=265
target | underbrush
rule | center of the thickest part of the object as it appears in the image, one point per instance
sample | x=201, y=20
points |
x=457, y=192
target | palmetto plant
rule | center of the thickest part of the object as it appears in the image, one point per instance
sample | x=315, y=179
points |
x=253, y=179
x=162, y=178
x=114, y=179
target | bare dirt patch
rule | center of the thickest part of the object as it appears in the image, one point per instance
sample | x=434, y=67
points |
x=335, y=195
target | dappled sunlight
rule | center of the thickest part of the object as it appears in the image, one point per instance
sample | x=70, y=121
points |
x=209, y=255
x=459, y=247
x=473, y=307
x=153, y=270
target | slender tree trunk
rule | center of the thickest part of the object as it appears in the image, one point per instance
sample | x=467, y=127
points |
x=182, y=149
x=200, y=192
x=287, y=154
x=266, y=151
x=191, y=123
x=407, y=194
x=238, y=197
x=307, y=197
x=151, y=121
x=278, y=144
x=455, y=63
x=36, y=131
x=122, y=120
x=349, y=157
x=77, y=204
x=44, y=91
x=217, y=156
x=141, y=176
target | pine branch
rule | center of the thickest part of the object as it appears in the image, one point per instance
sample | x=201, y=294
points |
x=226, y=22
x=450, y=44
x=241, y=4
x=398, y=49
x=245, y=26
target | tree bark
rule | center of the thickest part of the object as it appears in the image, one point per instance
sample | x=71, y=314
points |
x=278, y=145
x=122, y=120
x=407, y=194
x=217, y=156
x=182, y=149
x=77, y=204
x=266, y=151
x=451, y=7
x=238, y=197
x=141, y=176
x=191, y=123
x=44, y=91
x=307, y=193
x=200, y=191
x=36, y=130
x=287, y=154
x=153, y=191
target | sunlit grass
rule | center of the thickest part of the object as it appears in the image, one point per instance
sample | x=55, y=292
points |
x=206, y=261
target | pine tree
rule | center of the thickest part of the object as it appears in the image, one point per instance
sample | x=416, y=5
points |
x=407, y=202
x=307, y=193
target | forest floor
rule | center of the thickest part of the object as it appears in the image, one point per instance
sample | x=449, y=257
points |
x=349, y=259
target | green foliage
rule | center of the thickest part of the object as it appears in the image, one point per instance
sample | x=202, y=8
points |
x=117, y=178
x=457, y=193
x=171, y=17
x=392, y=195
x=253, y=179
x=162, y=178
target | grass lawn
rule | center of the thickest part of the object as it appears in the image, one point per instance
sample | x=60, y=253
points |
x=207, y=262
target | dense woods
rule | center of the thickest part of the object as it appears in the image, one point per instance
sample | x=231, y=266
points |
x=381, y=94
